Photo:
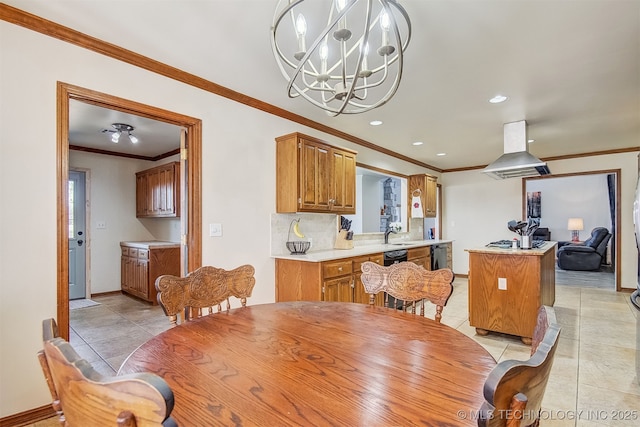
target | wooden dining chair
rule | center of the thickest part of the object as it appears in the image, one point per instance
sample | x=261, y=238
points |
x=83, y=397
x=203, y=291
x=407, y=284
x=546, y=317
x=49, y=332
x=514, y=389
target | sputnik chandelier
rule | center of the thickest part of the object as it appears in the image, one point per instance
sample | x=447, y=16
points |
x=344, y=56
x=121, y=128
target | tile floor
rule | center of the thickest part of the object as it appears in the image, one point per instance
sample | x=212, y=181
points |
x=592, y=383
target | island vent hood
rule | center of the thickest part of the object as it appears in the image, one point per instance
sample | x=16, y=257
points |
x=516, y=162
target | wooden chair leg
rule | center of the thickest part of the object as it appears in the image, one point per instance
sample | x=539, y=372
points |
x=126, y=419
x=516, y=410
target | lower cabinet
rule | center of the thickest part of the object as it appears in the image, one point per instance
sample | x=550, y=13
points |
x=336, y=280
x=359, y=293
x=142, y=264
x=420, y=256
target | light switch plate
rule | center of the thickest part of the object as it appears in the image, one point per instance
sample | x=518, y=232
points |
x=502, y=283
x=215, y=230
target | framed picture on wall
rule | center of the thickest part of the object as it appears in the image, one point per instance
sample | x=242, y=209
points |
x=534, y=206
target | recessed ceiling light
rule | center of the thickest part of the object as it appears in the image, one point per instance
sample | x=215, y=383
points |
x=375, y=122
x=417, y=143
x=441, y=154
x=530, y=141
x=498, y=99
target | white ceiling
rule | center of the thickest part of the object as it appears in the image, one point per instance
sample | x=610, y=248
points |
x=570, y=68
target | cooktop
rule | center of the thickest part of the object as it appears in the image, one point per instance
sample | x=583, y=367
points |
x=506, y=244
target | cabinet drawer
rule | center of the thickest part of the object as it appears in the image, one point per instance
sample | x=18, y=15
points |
x=378, y=259
x=133, y=252
x=143, y=253
x=357, y=261
x=336, y=268
x=419, y=252
x=125, y=251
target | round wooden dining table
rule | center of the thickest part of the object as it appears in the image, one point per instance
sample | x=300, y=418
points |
x=317, y=364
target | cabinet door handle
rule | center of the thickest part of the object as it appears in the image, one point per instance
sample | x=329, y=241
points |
x=339, y=268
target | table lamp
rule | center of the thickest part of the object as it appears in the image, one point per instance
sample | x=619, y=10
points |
x=575, y=225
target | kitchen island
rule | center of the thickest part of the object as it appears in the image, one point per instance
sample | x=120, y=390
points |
x=507, y=286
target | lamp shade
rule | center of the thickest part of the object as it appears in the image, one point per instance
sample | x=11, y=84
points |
x=575, y=224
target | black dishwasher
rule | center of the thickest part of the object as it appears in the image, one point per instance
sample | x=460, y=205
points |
x=390, y=258
x=438, y=257
x=394, y=257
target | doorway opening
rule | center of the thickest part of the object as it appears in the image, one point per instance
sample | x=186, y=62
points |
x=191, y=186
x=563, y=197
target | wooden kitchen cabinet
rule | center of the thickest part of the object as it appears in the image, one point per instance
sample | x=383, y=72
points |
x=158, y=191
x=313, y=176
x=337, y=283
x=143, y=262
x=420, y=256
x=336, y=280
x=428, y=186
x=360, y=295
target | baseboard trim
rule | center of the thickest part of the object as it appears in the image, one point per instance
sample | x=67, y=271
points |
x=105, y=294
x=28, y=417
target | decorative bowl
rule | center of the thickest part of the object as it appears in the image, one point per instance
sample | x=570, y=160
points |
x=298, y=247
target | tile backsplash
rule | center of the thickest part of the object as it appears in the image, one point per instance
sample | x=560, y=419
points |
x=320, y=229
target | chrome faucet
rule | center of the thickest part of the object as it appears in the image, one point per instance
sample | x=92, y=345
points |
x=386, y=234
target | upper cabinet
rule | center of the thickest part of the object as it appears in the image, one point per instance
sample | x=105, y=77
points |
x=158, y=192
x=313, y=176
x=428, y=186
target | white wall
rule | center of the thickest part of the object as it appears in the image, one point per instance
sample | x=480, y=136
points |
x=476, y=208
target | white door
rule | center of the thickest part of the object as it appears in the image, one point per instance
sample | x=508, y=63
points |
x=77, y=235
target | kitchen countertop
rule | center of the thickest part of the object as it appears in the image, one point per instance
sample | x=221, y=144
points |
x=148, y=244
x=509, y=251
x=332, y=254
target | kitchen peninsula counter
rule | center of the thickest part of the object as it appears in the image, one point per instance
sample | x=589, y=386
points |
x=334, y=275
x=334, y=254
x=507, y=287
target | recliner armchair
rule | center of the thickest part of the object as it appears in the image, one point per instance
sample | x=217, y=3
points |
x=586, y=256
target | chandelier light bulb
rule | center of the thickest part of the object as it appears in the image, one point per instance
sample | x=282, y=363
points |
x=133, y=139
x=385, y=24
x=301, y=31
x=301, y=26
x=115, y=137
x=324, y=51
x=334, y=71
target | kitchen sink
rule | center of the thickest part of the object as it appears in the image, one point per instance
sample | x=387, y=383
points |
x=402, y=244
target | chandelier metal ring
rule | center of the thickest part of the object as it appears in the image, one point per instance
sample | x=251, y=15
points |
x=337, y=72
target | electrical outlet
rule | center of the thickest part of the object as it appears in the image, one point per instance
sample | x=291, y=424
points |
x=215, y=230
x=502, y=283
x=101, y=225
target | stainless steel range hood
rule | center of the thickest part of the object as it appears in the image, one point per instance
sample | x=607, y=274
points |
x=516, y=162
